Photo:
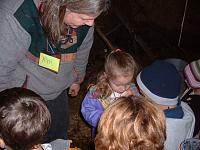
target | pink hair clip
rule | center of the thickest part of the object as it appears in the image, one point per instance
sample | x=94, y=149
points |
x=117, y=50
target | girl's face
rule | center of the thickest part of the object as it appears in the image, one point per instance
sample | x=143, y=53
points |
x=76, y=20
x=121, y=83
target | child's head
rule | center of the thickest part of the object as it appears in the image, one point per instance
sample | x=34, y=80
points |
x=192, y=75
x=24, y=118
x=161, y=82
x=120, y=70
x=131, y=123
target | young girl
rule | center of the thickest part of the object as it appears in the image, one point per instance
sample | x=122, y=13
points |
x=192, y=94
x=116, y=81
x=131, y=123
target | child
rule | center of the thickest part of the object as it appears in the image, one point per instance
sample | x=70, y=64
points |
x=192, y=97
x=131, y=123
x=190, y=144
x=161, y=82
x=24, y=120
x=116, y=81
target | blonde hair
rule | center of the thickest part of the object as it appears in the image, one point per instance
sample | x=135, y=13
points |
x=118, y=63
x=131, y=123
x=53, y=12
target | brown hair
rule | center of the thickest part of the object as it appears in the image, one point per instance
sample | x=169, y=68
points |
x=52, y=15
x=117, y=63
x=24, y=118
x=131, y=123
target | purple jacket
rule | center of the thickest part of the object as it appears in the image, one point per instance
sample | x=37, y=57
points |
x=92, y=108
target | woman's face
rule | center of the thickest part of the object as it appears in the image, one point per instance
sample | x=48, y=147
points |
x=76, y=20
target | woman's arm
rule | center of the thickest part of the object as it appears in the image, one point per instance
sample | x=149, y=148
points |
x=12, y=47
x=82, y=55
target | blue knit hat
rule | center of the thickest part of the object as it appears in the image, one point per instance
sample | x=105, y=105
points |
x=161, y=82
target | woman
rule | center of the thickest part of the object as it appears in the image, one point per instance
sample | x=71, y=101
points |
x=45, y=47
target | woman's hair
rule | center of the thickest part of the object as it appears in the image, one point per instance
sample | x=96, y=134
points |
x=24, y=118
x=53, y=12
x=131, y=123
x=118, y=63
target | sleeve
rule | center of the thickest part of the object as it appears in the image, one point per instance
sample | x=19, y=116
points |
x=91, y=110
x=60, y=144
x=12, y=48
x=82, y=55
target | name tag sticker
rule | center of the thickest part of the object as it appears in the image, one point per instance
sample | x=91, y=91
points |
x=49, y=62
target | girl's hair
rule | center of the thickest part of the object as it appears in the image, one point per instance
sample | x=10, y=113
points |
x=24, y=118
x=118, y=63
x=53, y=12
x=131, y=123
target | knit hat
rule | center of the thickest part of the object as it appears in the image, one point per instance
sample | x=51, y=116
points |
x=161, y=82
x=192, y=74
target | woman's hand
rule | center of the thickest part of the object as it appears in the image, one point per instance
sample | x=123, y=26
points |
x=74, y=89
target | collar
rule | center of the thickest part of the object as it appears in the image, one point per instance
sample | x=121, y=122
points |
x=46, y=146
x=176, y=112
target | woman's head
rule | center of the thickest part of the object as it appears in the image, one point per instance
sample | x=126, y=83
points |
x=86, y=6
x=57, y=14
x=131, y=123
x=83, y=12
x=120, y=69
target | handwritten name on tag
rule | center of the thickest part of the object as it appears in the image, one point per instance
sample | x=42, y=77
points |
x=49, y=62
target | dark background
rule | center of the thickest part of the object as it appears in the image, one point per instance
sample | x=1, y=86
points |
x=149, y=30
